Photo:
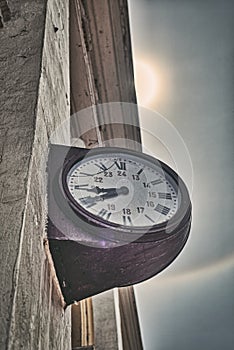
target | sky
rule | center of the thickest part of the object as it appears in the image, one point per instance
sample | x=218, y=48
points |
x=184, y=68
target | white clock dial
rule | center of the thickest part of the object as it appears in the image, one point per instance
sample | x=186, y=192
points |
x=124, y=189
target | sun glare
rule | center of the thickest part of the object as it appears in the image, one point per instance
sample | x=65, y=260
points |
x=146, y=83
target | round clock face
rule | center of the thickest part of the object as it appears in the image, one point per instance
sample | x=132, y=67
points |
x=121, y=188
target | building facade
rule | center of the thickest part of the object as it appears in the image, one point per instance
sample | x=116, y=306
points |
x=56, y=61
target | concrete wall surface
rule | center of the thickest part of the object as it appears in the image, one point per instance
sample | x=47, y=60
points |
x=34, y=78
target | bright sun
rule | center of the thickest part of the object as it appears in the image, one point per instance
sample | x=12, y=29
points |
x=146, y=83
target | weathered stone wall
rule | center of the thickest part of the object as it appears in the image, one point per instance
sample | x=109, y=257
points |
x=34, y=76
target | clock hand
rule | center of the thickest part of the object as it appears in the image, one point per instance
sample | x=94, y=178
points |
x=98, y=190
x=114, y=192
x=94, y=189
x=90, y=201
x=110, y=193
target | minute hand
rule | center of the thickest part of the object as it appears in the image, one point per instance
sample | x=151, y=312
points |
x=114, y=192
x=98, y=190
x=90, y=201
x=111, y=193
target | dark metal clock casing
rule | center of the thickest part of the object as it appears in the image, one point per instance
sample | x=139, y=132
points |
x=92, y=253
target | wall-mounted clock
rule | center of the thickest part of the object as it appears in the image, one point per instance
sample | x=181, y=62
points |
x=126, y=203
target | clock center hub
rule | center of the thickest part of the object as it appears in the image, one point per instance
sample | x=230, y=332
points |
x=123, y=190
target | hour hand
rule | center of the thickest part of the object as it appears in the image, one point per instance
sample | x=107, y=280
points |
x=89, y=201
x=98, y=190
x=95, y=189
x=109, y=193
x=114, y=192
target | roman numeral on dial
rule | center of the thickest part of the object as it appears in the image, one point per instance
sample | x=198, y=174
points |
x=162, y=209
x=104, y=214
x=156, y=182
x=162, y=195
x=101, y=166
x=77, y=187
x=127, y=220
x=121, y=165
x=149, y=218
x=87, y=201
x=140, y=171
x=84, y=174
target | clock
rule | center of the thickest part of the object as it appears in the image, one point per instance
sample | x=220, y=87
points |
x=116, y=217
x=124, y=191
